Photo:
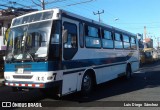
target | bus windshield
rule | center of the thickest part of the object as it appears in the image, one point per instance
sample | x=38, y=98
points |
x=29, y=42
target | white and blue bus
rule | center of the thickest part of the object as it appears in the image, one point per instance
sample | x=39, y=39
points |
x=57, y=49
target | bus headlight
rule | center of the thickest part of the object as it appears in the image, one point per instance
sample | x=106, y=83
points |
x=53, y=77
x=42, y=78
x=50, y=78
x=37, y=79
x=7, y=77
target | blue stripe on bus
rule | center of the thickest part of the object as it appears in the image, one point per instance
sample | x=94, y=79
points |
x=71, y=64
x=98, y=67
x=109, y=65
x=73, y=71
x=33, y=66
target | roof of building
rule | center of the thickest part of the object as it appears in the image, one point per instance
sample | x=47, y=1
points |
x=8, y=17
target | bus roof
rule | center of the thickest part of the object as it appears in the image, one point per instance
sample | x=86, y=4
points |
x=57, y=10
x=95, y=22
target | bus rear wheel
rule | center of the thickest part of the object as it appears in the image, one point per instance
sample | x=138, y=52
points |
x=87, y=84
x=128, y=72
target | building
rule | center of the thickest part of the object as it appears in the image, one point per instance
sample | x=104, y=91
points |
x=148, y=43
x=5, y=21
x=6, y=17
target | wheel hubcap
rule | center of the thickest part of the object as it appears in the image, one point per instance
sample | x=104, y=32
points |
x=87, y=82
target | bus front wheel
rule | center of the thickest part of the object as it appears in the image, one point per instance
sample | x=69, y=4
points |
x=50, y=92
x=16, y=89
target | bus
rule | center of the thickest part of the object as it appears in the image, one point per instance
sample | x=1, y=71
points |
x=151, y=55
x=57, y=49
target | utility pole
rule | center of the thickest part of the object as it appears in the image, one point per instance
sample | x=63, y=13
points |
x=99, y=14
x=40, y=4
x=43, y=4
x=158, y=41
x=145, y=32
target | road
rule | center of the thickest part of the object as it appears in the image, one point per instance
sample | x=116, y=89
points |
x=144, y=86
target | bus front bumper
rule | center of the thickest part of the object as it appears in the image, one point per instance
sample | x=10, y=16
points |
x=33, y=84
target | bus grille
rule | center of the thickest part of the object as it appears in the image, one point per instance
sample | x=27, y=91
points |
x=22, y=77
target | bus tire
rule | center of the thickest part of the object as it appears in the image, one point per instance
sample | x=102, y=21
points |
x=16, y=89
x=87, y=84
x=128, y=74
x=50, y=92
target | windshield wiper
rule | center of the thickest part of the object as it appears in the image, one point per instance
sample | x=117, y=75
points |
x=30, y=56
x=26, y=51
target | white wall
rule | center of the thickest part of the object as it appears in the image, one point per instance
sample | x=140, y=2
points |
x=1, y=42
x=5, y=26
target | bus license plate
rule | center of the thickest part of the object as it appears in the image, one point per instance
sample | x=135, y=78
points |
x=20, y=70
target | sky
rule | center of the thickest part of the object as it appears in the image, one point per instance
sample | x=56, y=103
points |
x=129, y=15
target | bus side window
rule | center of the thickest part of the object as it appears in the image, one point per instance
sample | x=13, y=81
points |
x=118, y=41
x=70, y=45
x=107, y=39
x=71, y=38
x=133, y=43
x=126, y=42
x=81, y=35
x=92, y=37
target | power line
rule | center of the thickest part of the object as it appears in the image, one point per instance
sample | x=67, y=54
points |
x=73, y=3
x=3, y=5
x=40, y=4
x=134, y=28
x=80, y=6
x=55, y=1
x=43, y=4
x=80, y=3
x=13, y=4
x=76, y=3
x=138, y=23
x=19, y=4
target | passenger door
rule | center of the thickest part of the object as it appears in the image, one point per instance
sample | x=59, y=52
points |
x=70, y=48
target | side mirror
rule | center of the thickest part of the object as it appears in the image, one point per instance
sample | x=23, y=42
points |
x=6, y=35
x=64, y=36
x=4, y=58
